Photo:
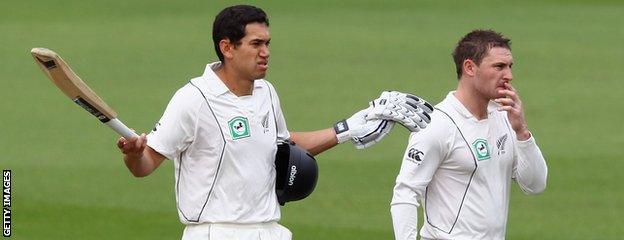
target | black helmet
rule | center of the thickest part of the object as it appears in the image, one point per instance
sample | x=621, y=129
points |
x=296, y=173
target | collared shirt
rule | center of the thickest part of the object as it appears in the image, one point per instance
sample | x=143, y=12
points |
x=223, y=147
x=460, y=169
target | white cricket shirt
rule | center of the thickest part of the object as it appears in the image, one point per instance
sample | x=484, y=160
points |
x=460, y=169
x=223, y=148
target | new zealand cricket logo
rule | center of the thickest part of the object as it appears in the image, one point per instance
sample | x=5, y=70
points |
x=239, y=127
x=481, y=148
x=500, y=144
x=265, y=122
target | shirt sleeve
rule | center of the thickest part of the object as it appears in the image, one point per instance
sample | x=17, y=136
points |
x=423, y=155
x=404, y=221
x=176, y=129
x=529, y=170
x=280, y=121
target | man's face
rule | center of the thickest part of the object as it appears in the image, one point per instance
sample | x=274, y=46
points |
x=493, y=72
x=251, y=57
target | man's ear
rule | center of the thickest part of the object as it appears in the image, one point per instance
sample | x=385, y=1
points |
x=226, y=47
x=469, y=68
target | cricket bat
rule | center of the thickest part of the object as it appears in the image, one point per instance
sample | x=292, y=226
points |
x=69, y=83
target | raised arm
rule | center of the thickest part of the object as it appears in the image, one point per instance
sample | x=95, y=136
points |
x=139, y=158
x=530, y=170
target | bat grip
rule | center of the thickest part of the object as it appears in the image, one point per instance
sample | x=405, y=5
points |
x=121, y=128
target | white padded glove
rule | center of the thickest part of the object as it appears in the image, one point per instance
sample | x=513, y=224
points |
x=364, y=133
x=406, y=109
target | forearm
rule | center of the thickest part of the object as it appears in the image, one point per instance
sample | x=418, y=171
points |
x=531, y=169
x=144, y=164
x=404, y=221
x=316, y=141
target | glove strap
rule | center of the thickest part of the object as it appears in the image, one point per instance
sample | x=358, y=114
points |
x=342, y=131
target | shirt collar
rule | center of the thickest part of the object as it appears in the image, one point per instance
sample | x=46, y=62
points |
x=492, y=106
x=214, y=84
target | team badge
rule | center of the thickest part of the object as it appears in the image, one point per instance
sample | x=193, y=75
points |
x=239, y=127
x=482, y=150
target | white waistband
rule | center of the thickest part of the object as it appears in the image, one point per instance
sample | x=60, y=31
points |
x=234, y=225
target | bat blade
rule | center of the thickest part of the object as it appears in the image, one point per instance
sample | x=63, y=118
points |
x=59, y=72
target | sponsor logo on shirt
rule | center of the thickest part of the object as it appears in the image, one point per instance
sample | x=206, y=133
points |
x=415, y=155
x=481, y=149
x=239, y=127
x=156, y=127
x=500, y=144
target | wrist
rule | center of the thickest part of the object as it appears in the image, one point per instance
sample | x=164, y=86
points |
x=341, y=128
x=132, y=158
x=523, y=135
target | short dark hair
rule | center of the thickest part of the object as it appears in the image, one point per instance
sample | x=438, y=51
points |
x=475, y=45
x=230, y=24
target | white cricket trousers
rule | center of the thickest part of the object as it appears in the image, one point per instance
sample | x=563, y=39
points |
x=232, y=231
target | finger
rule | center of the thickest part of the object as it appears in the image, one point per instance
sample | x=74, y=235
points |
x=127, y=147
x=505, y=101
x=420, y=123
x=120, y=142
x=516, y=95
x=411, y=105
x=424, y=116
x=418, y=103
x=506, y=108
x=130, y=145
x=399, y=118
x=139, y=143
x=423, y=105
x=510, y=87
x=412, y=97
x=385, y=112
x=509, y=94
x=418, y=115
x=420, y=118
x=427, y=107
x=409, y=123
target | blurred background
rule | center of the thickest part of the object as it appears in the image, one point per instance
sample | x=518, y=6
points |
x=328, y=59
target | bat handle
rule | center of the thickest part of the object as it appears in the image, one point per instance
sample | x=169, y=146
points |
x=121, y=128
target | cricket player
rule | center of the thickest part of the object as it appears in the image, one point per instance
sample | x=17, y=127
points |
x=222, y=129
x=460, y=168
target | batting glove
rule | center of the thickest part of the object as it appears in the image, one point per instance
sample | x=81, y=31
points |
x=363, y=133
x=406, y=109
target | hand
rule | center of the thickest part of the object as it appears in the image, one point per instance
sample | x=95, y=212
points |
x=513, y=106
x=132, y=148
x=408, y=110
x=364, y=133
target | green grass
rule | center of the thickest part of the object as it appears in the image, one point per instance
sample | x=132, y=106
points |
x=327, y=60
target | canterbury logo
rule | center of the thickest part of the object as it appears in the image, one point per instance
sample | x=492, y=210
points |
x=415, y=155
